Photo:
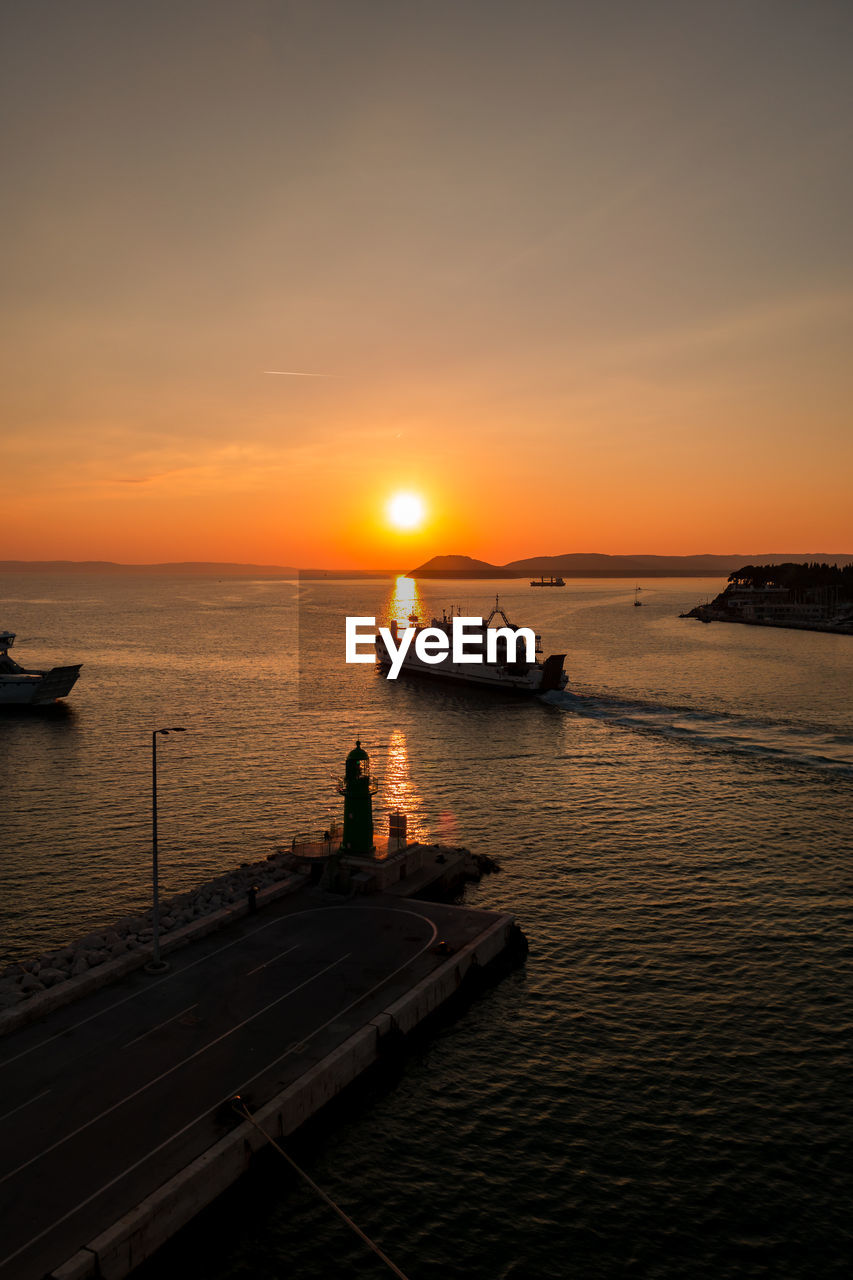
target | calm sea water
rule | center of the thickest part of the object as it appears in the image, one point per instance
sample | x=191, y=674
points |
x=663, y=1091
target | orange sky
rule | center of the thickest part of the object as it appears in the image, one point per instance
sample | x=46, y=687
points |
x=579, y=275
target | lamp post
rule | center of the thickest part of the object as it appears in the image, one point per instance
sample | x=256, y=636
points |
x=156, y=965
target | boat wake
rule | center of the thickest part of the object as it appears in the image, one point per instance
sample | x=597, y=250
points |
x=812, y=745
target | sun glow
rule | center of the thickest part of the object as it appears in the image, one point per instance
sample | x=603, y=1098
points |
x=406, y=511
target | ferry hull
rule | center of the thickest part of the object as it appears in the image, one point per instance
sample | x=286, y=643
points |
x=543, y=679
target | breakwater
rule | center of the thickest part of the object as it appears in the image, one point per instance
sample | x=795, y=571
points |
x=285, y=1008
x=32, y=987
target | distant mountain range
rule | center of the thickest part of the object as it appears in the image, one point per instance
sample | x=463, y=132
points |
x=595, y=565
x=572, y=565
x=214, y=568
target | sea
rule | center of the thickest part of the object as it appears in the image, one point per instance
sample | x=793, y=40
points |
x=663, y=1090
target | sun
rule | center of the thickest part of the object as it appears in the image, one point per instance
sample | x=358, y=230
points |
x=406, y=511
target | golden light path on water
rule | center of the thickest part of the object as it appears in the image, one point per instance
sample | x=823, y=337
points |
x=399, y=792
x=405, y=601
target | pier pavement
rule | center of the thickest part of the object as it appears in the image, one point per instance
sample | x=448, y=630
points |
x=105, y=1100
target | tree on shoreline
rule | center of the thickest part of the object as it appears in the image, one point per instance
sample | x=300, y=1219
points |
x=795, y=577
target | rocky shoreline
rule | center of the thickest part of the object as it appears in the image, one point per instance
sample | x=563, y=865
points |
x=24, y=979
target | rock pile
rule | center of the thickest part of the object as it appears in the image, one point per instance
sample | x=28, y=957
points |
x=22, y=980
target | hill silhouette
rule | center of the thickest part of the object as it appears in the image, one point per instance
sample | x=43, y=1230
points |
x=460, y=567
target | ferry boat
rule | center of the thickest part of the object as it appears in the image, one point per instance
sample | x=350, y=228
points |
x=20, y=686
x=519, y=676
x=547, y=582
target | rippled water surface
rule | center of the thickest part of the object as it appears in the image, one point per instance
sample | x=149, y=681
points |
x=664, y=1090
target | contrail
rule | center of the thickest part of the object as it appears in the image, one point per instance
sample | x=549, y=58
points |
x=289, y=373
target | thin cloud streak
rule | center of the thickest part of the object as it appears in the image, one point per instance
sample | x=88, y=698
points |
x=288, y=373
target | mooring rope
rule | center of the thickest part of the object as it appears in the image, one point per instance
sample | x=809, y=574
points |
x=241, y=1109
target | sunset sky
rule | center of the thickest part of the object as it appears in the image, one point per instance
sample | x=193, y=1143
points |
x=578, y=275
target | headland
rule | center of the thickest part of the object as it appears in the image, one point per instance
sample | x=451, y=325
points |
x=807, y=597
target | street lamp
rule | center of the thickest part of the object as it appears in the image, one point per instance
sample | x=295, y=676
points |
x=156, y=965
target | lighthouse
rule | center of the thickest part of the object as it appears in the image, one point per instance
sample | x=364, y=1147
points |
x=357, y=787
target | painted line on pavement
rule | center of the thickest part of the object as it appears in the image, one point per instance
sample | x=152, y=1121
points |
x=144, y=990
x=272, y=960
x=226, y=1097
x=290, y=916
x=170, y=1071
x=15, y=1110
x=164, y=1023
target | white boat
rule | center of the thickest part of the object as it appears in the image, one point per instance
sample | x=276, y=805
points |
x=20, y=686
x=514, y=676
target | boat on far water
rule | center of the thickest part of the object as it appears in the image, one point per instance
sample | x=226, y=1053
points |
x=20, y=686
x=547, y=582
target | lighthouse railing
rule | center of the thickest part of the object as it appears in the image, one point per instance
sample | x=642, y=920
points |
x=315, y=844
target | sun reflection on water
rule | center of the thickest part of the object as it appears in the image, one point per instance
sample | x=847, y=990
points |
x=404, y=602
x=399, y=793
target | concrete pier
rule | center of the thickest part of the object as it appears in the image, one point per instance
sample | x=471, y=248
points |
x=115, y=1127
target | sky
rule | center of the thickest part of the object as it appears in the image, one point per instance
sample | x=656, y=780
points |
x=577, y=275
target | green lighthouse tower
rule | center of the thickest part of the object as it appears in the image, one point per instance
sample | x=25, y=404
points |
x=357, y=787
